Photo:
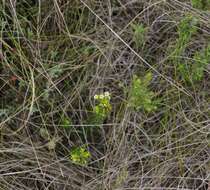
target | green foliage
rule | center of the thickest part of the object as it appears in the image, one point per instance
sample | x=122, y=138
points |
x=88, y=50
x=79, y=155
x=201, y=4
x=102, y=109
x=186, y=29
x=53, y=55
x=201, y=60
x=194, y=71
x=139, y=34
x=140, y=97
x=197, y=4
x=66, y=122
x=56, y=71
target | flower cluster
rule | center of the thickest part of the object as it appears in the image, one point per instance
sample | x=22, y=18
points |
x=103, y=106
x=79, y=156
x=102, y=96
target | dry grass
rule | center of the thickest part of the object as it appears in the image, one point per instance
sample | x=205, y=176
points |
x=56, y=55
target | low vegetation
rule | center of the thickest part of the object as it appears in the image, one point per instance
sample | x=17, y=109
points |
x=104, y=95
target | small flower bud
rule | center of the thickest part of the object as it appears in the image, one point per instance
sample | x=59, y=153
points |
x=96, y=97
x=106, y=94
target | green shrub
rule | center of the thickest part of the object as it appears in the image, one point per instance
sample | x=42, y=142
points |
x=201, y=60
x=193, y=71
x=201, y=4
x=139, y=34
x=140, y=97
x=186, y=29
